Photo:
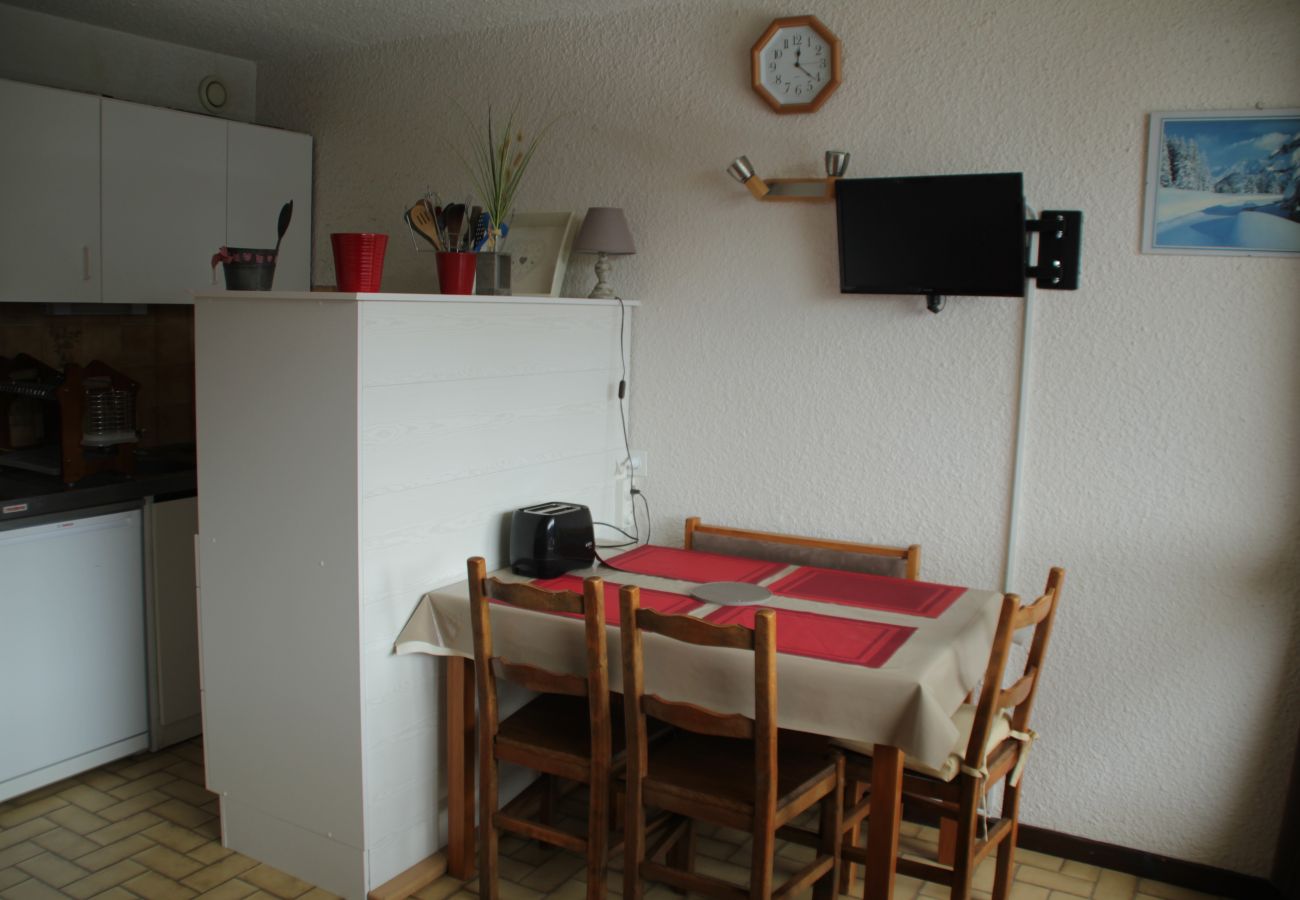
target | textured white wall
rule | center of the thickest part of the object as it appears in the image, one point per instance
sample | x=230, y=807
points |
x=43, y=49
x=1161, y=457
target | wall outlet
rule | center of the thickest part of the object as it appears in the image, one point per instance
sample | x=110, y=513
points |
x=640, y=463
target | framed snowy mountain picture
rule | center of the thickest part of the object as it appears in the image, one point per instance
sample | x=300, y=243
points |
x=1223, y=183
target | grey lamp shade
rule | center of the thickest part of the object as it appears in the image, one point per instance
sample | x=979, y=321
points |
x=604, y=231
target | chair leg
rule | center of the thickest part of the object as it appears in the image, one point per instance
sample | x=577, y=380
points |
x=832, y=821
x=966, y=823
x=487, y=831
x=681, y=855
x=546, y=807
x=1007, y=849
x=598, y=836
x=855, y=791
x=761, y=862
x=633, y=841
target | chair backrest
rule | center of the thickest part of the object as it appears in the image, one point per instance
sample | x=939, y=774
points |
x=896, y=562
x=594, y=685
x=637, y=704
x=1019, y=696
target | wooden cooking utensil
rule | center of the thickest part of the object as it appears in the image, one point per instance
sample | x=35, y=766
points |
x=422, y=221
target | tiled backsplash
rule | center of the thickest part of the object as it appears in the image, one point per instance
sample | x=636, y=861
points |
x=156, y=350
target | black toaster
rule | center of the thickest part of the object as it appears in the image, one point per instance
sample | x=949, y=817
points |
x=549, y=539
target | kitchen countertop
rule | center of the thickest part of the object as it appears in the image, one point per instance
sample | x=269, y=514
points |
x=162, y=470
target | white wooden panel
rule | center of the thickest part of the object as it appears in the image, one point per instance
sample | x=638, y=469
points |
x=164, y=201
x=49, y=182
x=401, y=343
x=315, y=857
x=265, y=167
x=278, y=567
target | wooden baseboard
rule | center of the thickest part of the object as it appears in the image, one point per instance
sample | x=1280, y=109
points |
x=420, y=875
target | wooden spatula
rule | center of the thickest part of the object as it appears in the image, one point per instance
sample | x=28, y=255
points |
x=422, y=221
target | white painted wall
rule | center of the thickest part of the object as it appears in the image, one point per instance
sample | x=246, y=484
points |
x=43, y=49
x=1164, y=432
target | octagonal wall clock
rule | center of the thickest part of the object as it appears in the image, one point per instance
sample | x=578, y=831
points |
x=795, y=64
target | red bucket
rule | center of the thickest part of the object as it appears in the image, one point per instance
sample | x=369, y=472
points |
x=456, y=272
x=359, y=261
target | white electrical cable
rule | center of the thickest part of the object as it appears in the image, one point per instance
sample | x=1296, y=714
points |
x=1022, y=418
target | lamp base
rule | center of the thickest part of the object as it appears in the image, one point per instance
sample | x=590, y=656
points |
x=603, y=289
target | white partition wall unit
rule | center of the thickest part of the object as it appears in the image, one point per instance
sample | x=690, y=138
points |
x=354, y=450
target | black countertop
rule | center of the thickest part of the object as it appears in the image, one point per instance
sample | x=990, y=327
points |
x=162, y=471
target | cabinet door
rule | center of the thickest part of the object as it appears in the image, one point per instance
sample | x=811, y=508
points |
x=49, y=194
x=164, y=202
x=266, y=167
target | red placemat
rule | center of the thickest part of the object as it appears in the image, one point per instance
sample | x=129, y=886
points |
x=693, y=565
x=869, y=644
x=660, y=601
x=913, y=598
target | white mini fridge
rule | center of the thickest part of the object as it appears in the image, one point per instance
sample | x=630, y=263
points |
x=73, y=681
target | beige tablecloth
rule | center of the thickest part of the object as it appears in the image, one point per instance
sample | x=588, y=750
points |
x=907, y=703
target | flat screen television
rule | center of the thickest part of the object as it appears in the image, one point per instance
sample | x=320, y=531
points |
x=936, y=235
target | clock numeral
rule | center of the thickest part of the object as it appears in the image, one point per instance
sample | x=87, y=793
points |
x=818, y=49
x=787, y=88
x=823, y=62
x=798, y=39
x=772, y=66
x=778, y=80
x=798, y=92
x=776, y=54
x=785, y=42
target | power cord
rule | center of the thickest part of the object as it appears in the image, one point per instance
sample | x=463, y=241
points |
x=633, y=490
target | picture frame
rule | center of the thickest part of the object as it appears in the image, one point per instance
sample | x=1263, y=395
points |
x=1223, y=183
x=539, y=244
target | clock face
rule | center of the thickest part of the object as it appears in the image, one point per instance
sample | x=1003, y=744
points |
x=796, y=64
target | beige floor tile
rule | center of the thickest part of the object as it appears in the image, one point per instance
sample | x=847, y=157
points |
x=1080, y=870
x=12, y=876
x=65, y=843
x=188, y=791
x=1115, y=886
x=273, y=881
x=574, y=890
x=181, y=813
x=116, y=893
x=27, y=830
x=1169, y=892
x=145, y=764
x=102, y=780
x=174, y=837
x=1038, y=860
x=118, y=830
x=210, y=876
x=153, y=886
x=551, y=874
x=1055, y=881
x=106, y=878
x=189, y=771
x=77, y=819
x=534, y=853
x=116, y=852
x=167, y=861
x=53, y=870
x=32, y=889
x=124, y=809
x=87, y=797
x=12, y=856
x=17, y=815
x=209, y=852
x=318, y=894
x=234, y=889
x=1020, y=891
x=138, y=786
x=441, y=889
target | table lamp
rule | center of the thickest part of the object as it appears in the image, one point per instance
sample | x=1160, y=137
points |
x=604, y=232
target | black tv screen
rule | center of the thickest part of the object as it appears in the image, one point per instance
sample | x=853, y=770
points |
x=933, y=234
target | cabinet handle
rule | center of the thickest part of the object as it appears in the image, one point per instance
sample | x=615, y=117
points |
x=85, y=263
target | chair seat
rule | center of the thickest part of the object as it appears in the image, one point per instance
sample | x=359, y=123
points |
x=558, y=725
x=690, y=766
x=964, y=719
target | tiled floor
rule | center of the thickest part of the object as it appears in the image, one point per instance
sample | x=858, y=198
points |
x=146, y=827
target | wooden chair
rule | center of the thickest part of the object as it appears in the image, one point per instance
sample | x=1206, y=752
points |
x=565, y=731
x=897, y=562
x=992, y=747
x=726, y=769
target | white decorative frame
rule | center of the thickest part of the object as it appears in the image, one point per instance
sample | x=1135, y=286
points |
x=539, y=244
x=1201, y=224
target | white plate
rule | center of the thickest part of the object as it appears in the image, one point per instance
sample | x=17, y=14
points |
x=731, y=593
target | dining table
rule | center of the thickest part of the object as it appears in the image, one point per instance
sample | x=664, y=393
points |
x=860, y=657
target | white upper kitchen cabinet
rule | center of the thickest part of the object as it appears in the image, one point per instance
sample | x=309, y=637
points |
x=265, y=168
x=164, y=202
x=49, y=194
